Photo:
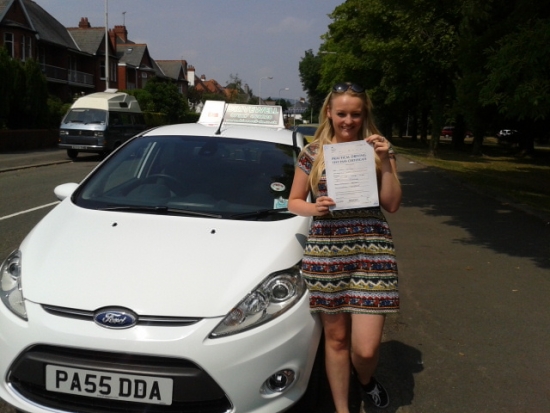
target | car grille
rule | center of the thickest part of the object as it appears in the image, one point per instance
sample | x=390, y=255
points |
x=142, y=319
x=194, y=390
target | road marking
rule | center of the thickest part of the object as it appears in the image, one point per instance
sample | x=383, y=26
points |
x=29, y=210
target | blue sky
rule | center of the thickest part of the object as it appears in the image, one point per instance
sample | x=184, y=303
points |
x=249, y=38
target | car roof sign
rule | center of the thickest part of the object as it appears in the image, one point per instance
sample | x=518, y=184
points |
x=214, y=112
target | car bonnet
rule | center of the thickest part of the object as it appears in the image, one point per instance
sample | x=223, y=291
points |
x=153, y=264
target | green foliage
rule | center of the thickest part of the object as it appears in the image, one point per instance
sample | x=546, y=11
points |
x=310, y=76
x=36, y=95
x=161, y=102
x=519, y=72
x=472, y=63
x=6, y=86
x=154, y=119
x=56, y=109
x=167, y=99
x=23, y=94
x=191, y=117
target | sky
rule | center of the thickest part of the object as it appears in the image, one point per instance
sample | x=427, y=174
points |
x=251, y=39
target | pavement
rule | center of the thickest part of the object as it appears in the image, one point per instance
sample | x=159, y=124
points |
x=10, y=161
x=472, y=334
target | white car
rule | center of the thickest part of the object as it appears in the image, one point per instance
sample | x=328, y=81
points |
x=168, y=280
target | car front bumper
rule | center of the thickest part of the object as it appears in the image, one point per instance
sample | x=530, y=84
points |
x=219, y=375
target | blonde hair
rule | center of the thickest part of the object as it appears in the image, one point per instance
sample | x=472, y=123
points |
x=325, y=133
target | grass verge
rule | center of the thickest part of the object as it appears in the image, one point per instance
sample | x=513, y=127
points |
x=500, y=171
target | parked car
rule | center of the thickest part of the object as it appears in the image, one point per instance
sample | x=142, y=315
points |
x=168, y=280
x=308, y=130
x=100, y=122
x=508, y=137
x=447, y=132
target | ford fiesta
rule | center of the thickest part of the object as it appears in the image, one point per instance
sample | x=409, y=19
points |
x=168, y=280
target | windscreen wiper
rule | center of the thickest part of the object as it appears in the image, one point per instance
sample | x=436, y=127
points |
x=159, y=210
x=261, y=213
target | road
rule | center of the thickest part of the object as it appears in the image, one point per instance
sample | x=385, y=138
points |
x=473, y=332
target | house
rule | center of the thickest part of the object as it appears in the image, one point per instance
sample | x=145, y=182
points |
x=73, y=59
x=29, y=31
x=91, y=40
x=175, y=70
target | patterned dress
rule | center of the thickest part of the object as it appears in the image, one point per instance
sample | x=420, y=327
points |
x=349, y=260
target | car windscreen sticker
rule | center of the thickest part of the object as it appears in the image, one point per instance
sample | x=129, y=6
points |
x=278, y=186
x=280, y=203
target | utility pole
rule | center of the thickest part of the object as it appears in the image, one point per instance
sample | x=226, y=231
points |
x=106, y=44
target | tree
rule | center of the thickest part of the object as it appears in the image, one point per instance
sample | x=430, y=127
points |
x=400, y=50
x=6, y=74
x=236, y=93
x=36, y=95
x=165, y=98
x=310, y=76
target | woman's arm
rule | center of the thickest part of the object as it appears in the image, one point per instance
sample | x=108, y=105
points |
x=297, y=200
x=389, y=192
x=390, y=189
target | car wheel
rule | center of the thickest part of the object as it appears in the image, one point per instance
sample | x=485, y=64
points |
x=72, y=153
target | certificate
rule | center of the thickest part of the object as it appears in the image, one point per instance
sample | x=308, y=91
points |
x=350, y=170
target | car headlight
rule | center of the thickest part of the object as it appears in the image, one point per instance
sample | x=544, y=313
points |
x=273, y=297
x=10, y=285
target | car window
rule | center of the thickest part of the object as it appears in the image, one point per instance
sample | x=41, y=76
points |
x=215, y=175
x=86, y=116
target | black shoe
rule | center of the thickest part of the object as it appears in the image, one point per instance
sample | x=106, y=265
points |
x=375, y=393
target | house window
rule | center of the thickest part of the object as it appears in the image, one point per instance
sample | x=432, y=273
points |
x=42, y=56
x=29, y=47
x=8, y=43
x=113, y=68
x=26, y=48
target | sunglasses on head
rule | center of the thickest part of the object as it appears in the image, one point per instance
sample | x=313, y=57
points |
x=344, y=87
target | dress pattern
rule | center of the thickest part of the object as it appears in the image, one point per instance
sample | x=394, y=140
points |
x=349, y=262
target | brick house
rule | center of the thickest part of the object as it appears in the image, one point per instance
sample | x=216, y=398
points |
x=28, y=31
x=73, y=58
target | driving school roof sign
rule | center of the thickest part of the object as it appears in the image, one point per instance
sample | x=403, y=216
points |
x=214, y=112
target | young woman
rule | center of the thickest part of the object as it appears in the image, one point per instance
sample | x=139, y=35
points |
x=349, y=261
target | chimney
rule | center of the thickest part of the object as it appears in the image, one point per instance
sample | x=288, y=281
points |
x=84, y=23
x=191, y=75
x=203, y=78
x=122, y=33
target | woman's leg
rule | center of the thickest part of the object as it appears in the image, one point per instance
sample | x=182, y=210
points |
x=366, y=335
x=337, y=357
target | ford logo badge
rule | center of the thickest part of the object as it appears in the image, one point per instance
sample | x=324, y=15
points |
x=115, y=317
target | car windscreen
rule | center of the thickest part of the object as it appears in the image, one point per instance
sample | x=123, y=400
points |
x=194, y=176
x=86, y=116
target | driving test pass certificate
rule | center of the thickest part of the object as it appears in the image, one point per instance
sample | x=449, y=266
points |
x=350, y=170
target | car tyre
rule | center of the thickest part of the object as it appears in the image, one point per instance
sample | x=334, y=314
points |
x=72, y=153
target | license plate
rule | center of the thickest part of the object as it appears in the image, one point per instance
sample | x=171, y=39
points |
x=108, y=385
x=78, y=147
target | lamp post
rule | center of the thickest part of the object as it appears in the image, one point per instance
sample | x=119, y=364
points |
x=283, y=88
x=106, y=45
x=260, y=88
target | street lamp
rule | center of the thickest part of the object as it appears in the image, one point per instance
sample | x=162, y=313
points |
x=283, y=88
x=106, y=44
x=260, y=89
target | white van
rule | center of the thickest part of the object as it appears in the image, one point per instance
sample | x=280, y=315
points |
x=100, y=122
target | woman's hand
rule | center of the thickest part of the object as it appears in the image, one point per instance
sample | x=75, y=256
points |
x=381, y=146
x=322, y=205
